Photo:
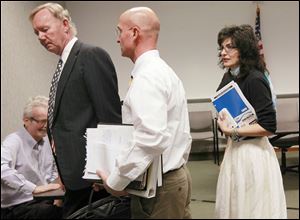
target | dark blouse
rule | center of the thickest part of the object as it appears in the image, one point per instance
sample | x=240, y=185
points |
x=256, y=89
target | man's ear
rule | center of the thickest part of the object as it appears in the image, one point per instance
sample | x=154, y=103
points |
x=66, y=25
x=135, y=32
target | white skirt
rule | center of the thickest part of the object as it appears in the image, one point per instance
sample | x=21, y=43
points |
x=250, y=182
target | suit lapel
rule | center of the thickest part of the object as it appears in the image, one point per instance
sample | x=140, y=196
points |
x=66, y=74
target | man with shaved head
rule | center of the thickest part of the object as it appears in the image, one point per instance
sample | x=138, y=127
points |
x=156, y=105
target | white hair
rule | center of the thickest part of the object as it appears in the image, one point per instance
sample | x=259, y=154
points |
x=58, y=11
x=37, y=101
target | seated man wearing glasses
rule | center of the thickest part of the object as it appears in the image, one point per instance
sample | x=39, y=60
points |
x=28, y=167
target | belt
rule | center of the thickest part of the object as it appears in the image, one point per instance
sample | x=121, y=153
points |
x=249, y=138
x=171, y=171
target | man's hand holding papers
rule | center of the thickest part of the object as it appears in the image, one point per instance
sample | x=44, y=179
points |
x=103, y=176
x=104, y=145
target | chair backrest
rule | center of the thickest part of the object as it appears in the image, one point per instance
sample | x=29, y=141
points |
x=201, y=121
x=287, y=110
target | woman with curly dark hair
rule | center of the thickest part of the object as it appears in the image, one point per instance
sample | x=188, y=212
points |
x=250, y=182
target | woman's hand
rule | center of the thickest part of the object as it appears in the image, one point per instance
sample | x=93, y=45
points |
x=223, y=124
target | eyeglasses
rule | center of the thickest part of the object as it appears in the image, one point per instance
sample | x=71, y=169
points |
x=119, y=31
x=228, y=49
x=39, y=122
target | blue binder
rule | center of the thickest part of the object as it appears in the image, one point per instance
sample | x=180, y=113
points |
x=231, y=99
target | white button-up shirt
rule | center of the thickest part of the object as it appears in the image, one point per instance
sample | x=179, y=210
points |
x=66, y=52
x=25, y=164
x=156, y=105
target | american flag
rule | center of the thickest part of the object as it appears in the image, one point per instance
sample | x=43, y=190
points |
x=257, y=31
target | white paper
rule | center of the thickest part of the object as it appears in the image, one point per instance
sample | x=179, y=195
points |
x=104, y=144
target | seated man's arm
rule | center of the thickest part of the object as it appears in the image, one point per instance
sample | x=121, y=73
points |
x=9, y=175
x=14, y=179
x=45, y=188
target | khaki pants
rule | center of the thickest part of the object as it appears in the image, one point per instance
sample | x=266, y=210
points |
x=172, y=200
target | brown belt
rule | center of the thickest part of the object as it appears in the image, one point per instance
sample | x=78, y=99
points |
x=171, y=171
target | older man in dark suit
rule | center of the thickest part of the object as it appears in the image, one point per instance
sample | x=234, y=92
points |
x=84, y=92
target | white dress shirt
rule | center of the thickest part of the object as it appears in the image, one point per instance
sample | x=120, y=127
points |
x=156, y=105
x=66, y=52
x=25, y=164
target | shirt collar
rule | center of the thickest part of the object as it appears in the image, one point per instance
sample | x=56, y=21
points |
x=143, y=57
x=235, y=71
x=67, y=49
x=29, y=139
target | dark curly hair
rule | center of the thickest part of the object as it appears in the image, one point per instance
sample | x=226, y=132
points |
x=245, y=41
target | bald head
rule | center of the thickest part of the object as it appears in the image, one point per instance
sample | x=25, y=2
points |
x=144, y=18
x=138, y=30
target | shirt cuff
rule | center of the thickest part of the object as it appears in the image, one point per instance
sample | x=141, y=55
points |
x=117, y=182
x=28, y=187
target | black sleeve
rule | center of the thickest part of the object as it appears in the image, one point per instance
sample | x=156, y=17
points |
x=227, y=78
x=101, y=82
x=259, y=96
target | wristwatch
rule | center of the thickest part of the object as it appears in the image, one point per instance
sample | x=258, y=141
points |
x=235, y=135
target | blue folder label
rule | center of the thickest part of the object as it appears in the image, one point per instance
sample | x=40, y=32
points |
x=232, y=101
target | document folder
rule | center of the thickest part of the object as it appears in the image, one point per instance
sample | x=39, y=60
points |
x=231, y=101
x=104, y=144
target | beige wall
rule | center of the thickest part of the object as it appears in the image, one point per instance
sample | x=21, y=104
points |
x=187, y=43
x=188, y=38
x=26, y=67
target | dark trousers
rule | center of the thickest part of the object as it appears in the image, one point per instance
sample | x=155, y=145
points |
x=32, y=210
x=76, y=199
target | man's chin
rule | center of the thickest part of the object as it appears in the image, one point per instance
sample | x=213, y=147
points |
x=43, y=133
x=50, y=49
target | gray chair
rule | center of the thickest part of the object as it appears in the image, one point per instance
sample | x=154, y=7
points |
x=203, y=128
x=287, y=111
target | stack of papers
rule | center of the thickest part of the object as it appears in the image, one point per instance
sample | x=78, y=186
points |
x=104, y=144
x=231, y=101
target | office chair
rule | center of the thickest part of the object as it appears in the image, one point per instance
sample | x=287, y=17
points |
x=203, y=128
x=287, y=114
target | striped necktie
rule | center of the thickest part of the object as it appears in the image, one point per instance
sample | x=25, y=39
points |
x=52, y=93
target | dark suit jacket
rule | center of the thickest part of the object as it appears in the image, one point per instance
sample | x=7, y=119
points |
x=87, y=94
